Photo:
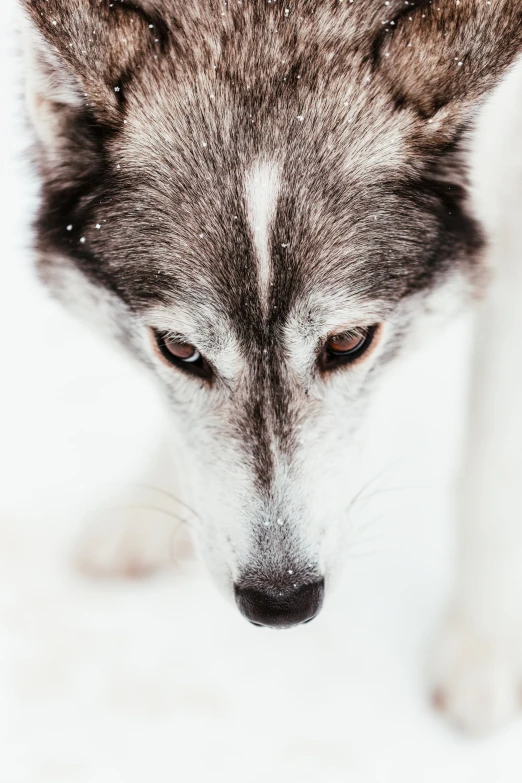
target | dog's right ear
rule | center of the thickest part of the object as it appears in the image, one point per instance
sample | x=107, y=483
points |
x=442, y=57
x=79, y=54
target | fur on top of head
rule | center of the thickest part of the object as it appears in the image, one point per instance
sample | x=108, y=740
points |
x=172, y=95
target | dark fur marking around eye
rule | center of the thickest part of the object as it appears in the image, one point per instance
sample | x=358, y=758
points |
x=458, y=236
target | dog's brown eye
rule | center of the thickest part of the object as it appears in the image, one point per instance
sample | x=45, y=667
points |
x=182, y=354
x=183, y=351
x=346, y=343
x=346, y=347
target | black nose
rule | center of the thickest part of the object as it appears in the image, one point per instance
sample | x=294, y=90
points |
x=280, y=608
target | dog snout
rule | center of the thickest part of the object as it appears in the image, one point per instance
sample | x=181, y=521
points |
x=281, y=608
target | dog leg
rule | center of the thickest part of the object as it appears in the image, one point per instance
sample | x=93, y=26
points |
x=142, y=530
x=477, y=666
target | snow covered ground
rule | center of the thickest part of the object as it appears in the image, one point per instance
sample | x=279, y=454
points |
x=161, y=680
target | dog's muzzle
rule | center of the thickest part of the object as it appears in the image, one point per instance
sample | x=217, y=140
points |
x=281, y=608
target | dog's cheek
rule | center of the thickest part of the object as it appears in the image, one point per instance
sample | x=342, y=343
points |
x=425, y=315
x=92, y=304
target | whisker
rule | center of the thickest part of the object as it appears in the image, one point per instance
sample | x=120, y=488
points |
x=385, y=490
x=372, y=522
x=145, y=507
x=169, y=495
x=368, y=539
x=374, y=479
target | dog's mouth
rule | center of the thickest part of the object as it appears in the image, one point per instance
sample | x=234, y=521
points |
x=280, y=608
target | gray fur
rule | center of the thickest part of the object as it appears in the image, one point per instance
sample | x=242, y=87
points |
x=148, y=118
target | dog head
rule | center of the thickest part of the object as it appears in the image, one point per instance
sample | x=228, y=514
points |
x=264, y=204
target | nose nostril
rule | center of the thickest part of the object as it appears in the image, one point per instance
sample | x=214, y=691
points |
x=280, y=609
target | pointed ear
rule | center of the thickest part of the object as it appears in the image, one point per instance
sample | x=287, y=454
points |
x=79, y=53
x=442, y=57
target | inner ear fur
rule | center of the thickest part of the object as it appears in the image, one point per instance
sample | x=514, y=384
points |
x=442, y=57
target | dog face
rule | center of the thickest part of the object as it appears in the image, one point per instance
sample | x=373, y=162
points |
x=265, y=205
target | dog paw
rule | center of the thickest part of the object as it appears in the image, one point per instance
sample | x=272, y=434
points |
x=131, y=543
x=474, y=680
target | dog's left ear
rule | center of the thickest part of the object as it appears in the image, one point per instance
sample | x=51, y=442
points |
x=81, y=51
x=442, y=57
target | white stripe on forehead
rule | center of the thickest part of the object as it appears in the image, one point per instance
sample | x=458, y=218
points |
x=261, y=193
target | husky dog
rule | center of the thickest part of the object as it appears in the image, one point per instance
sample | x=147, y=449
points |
x=266, y=202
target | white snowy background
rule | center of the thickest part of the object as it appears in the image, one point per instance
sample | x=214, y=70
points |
x=161, y=680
